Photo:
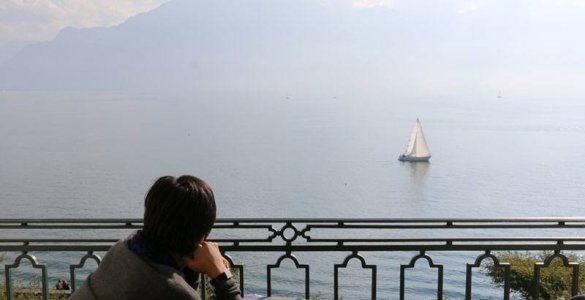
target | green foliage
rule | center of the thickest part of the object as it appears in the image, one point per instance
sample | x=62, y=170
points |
x=555, y=280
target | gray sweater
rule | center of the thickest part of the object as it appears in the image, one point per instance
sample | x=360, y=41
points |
x=124, y=275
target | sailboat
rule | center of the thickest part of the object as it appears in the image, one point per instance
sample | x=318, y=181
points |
x=416, y=148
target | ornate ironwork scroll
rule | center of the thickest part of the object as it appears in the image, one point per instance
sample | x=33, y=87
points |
x=344, y=265
x=36, y=265
x=72, y=268
x=497, y=264
x=546, y=263
x=432, y=265
x=297, y=265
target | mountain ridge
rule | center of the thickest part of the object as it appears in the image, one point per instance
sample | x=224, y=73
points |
x=190, y=45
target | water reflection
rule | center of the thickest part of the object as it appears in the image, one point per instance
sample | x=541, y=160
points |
x=417, y=172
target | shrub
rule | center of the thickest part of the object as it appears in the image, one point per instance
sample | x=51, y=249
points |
x=555, y=280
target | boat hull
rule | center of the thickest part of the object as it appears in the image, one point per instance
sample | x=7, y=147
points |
x=413, y=158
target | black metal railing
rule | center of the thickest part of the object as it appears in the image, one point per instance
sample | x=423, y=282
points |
x=287, y=237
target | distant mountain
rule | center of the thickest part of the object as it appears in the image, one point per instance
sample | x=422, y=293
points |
x=191, y=45
x=8, y=50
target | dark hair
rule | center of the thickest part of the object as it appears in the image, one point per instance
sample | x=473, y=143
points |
x=178, y=213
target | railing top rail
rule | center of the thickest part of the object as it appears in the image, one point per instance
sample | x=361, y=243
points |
x=305, y=220
x=69, y=221
x=408, y=220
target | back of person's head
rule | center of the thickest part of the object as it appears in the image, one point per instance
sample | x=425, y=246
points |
x=178, y=213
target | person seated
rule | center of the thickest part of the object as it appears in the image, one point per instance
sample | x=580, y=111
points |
x=164, y=259
x=62, y=285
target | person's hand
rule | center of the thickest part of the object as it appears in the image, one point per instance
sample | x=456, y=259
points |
x=207, y=259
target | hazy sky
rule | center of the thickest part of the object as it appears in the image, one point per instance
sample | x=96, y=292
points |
x=503, y=44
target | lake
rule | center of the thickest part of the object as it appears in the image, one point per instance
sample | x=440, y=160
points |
x=266, y=155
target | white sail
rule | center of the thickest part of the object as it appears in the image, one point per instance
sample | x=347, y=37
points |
x=410, y=146
x=416, y=148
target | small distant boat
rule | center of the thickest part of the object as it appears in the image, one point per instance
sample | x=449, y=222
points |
x=500, y=94
x=416, y=149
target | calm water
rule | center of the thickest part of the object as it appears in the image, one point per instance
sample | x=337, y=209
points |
x=265, y=155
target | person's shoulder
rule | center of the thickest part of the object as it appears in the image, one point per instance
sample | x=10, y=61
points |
x=177, y=288
x=84, y=292
x=117, y=251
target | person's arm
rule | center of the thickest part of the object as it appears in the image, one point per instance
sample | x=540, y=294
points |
x=227, y=290
x=207, y=259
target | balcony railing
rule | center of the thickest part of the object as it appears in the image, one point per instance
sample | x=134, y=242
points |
x=286, y=237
